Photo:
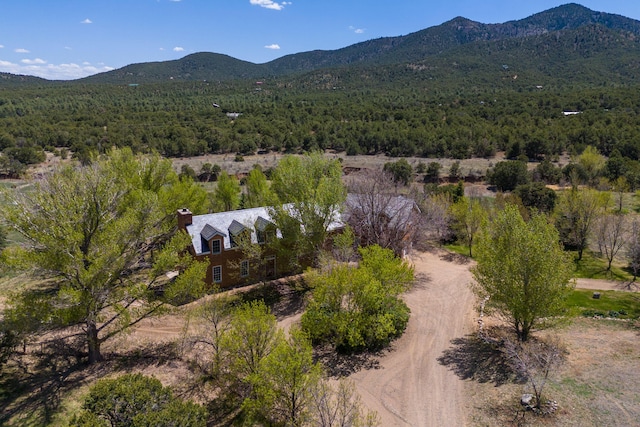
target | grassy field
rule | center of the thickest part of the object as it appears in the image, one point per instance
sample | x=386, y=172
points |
x=593, y=267
x=614, y=304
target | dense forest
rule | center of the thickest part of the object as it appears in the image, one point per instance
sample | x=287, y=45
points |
x=180, y=119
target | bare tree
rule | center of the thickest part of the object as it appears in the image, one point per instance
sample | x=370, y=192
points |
x=436, y=216
x=339, y=406
x=610, y=235
x=535, y=361
x=378, y=214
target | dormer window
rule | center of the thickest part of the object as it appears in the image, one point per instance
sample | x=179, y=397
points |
x=207, y=235
x=263, y=229
x=235, y=232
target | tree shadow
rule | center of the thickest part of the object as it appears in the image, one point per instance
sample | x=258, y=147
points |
x=421, y=281
x=284, y=297
x=471, y=358
x=339, y=365
x=34, y=383
x=455, y=258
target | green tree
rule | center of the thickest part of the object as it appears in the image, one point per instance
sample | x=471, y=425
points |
x=468, y=217
x=592, y=162
x=284, y=384
x=401, y=171
x=454, y=172
x=226, y=196
x=137, y=401
x=537, y=196
x=311, y=194
x=253, y=334
x=433, y=172
x=358, y=308
x=507, y=175
x=257, y=193
x=522, y=270
x=91, y=229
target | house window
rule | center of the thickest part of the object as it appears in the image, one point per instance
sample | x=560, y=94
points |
x=215, y=246
x=217, y=274
x=244, y=268
x=261, y=236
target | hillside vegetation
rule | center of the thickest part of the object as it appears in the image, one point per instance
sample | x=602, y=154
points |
x=459, y=90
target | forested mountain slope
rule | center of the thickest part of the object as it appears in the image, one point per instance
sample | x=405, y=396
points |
x=458, y=36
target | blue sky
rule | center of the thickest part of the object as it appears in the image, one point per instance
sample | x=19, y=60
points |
x=68, y=39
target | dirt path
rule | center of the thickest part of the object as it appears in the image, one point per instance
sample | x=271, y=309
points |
x=607, y=285
x=411, y=388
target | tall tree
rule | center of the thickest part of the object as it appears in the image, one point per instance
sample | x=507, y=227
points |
x=592, y=163
x=284, y=384
x=93, y=231
x=575, y=214
x=468, y=217
x=257, y=192
x=311, y=194
x=522, y=269
x=253, y=334
x=226, y=196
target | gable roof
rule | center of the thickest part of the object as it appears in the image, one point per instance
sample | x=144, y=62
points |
x=262, y=224
x=209, y=225
x=208, y=231
x=233, y=222
x=236, y=228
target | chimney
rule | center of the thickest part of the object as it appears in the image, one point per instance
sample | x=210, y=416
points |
x=185, y=218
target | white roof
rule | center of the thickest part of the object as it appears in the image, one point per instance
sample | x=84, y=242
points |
x=221, y=222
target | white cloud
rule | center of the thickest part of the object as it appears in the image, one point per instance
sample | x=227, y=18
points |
x=36, y=61
x=40, y=68
x=357, y=30
x=272, y=46
x=1, y=46
x=269, y=4
x=20, y=50
x=178, y=49
x=87, y=21
x=68, y=48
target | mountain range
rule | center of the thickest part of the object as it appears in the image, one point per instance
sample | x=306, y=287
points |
x=569, y=42
x=542, y=42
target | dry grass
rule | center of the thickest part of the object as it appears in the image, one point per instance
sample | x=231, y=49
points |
x=599, y=384
x=227, y=162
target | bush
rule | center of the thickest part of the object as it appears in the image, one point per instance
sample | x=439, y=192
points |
x=358, y=309
x=136, y=400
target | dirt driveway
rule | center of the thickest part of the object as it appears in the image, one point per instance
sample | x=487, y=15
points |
x=410, y=387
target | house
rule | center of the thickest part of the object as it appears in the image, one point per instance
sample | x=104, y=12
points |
x=218, y=238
